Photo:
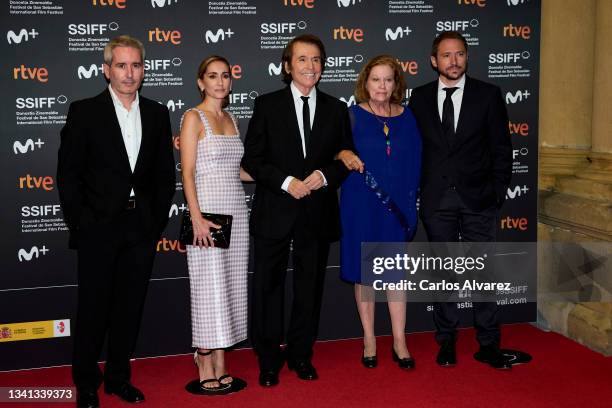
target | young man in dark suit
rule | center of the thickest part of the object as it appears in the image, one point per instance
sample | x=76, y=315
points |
x=467, y=165
x=290, y=148
x=116, y=178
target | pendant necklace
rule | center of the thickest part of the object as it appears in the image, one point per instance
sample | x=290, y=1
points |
x=385, y=127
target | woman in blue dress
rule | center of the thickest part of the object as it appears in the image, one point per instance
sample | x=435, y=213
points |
x=388, y=164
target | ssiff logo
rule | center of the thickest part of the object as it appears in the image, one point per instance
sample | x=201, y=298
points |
x=89, y=72
x=519, y=128
x=160, y=35
x=39, y=102
x=506, y=57
x=518, y=96
x=398, y=32
x=36, y=182
x=24, y=35
x=162, y=3
x=514, y=223
x=457, y=25
x=299, y=3
x=517, y=191
x=92, y=29
x=162, y=64
x=242, y=97
x=33, y=252
x=120, y=4
x=282, y=28
x=219, y=35
x=523, y=151
x=28, y=146
x=342, y=33
x=523, y=32
x=348, y=3
x=39, y=74
x=479, y=3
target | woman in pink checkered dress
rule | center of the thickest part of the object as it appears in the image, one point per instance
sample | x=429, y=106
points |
x=211, y=151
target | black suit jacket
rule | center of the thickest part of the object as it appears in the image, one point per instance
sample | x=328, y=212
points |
x=94, y=177
x=273, y=151
x=479, y=161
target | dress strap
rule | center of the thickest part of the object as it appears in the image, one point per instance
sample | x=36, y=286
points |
x=235, y=122
x=207, y=128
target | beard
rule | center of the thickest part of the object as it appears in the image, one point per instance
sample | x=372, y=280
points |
x=453, y=72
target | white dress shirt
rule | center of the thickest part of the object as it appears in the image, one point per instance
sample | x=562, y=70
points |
x=456, y=97
x=299, y=105
x=131, y=127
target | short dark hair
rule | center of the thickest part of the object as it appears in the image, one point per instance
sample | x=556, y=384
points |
x=447, y=35
x=288, y=53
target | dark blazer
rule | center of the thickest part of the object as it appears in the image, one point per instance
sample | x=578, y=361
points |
x=479, y=162
x=94, y=177
x=273, y=151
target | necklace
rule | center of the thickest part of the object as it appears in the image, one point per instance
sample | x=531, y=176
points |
x=385, y=127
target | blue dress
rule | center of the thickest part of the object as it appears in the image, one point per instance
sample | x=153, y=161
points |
x=364, y=218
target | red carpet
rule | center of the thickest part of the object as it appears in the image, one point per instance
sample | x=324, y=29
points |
x=562, y=374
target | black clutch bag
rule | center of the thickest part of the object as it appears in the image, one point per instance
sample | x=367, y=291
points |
x=220, y=236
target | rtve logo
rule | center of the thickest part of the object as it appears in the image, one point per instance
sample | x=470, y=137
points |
x=275, y=69
x=40, y=210
x=514, y=223
x=518, y=96
x=282, y=28
x=175, y=210
x=517, y=191
x=24, y=35
x=159, y=35
x=523, y=151
x=299, y=3
x=350, y=101
x=162, y=64
x=507, y=57
x=120, y=4
x=39, y=102
x=87, y=73
x=479, y=3
x=172, y=105
x=29, y=146
x=354, y=34
x=170, y=245
x=348, y=3
x=33, y=252
x=35, y=182
x=39, y=74
x=162, y=3
x=242, y=97
x=398, y=32
x=456, y=25
x=343, y=61
x=511, y=30
x=517, y=2
x=520, y=128
x=217, y=36
x=409, y=67
x=91, y=29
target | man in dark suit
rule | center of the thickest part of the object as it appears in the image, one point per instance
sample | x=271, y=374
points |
x=467, y=165
x=290, y=150
x=116, y=178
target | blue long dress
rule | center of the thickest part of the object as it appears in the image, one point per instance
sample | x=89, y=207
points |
x=364, y=218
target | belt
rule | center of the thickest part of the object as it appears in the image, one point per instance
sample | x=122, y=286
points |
x=131, y=204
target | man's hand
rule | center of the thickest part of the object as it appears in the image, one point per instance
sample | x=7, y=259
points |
x=298, y=189
x=315, y=181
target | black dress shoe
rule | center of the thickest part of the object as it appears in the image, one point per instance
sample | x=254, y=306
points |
x=370, y=361
x=406, y=363
x=126, y=392
x=447, y=356
x=303, y=369
x=268, y=378
x=87, y=399
x=491, y=355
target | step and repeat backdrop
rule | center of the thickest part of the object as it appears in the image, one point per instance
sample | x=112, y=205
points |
x=52, y=56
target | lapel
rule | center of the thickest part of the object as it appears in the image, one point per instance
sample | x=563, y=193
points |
x=146, y=119
x=109, y=116
x=321, y=112
x=432, y=99
x=290, y=117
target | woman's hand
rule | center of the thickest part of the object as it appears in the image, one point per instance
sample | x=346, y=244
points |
x=351, y=160
x=201, y=231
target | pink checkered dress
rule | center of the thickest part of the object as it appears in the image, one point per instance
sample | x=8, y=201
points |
x=218, y=277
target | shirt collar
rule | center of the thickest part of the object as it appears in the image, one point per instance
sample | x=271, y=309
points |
x=296, y=93
x=117, y=102
x=460, y=84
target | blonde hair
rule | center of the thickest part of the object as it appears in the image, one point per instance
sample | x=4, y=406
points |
x=361, y=93
x=122, y=41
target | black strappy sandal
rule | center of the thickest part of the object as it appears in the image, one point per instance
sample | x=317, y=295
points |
x=198, y=387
